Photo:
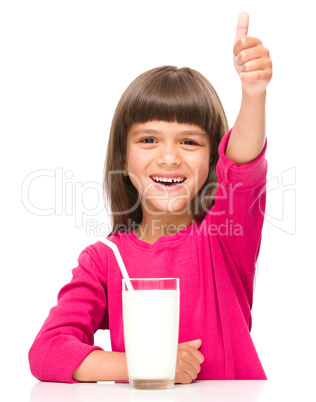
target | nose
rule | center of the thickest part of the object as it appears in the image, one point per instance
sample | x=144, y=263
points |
x=169, y=154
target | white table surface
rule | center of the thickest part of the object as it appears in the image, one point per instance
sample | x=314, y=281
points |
x=211, y=391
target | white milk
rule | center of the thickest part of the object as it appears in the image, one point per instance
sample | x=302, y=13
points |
x=151, y=333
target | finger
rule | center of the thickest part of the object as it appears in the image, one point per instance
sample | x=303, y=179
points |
x=194, y=352
x=242, y=25
x=246, y=43
x=191, y=371
x=186, y=369
x=255, y=76
x=252, y=53
x=194, y=364
x=256, y=65
x=196, y=343
x=183, y=378
x=186, y=357
x=199, y=357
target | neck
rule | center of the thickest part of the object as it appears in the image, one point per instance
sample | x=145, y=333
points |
x=153, y=227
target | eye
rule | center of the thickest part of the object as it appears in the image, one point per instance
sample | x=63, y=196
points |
x=147, y=140
x=190, y=142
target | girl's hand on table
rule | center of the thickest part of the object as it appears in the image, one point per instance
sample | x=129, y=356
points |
x=189, y=361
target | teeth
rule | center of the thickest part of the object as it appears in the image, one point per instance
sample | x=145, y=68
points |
x=163, y=179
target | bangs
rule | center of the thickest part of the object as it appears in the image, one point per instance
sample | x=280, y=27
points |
x=170, y=94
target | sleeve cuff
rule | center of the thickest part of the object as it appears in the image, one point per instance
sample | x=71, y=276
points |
x=248, y=175
x=69, y=355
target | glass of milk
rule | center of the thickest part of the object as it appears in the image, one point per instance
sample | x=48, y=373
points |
x=151, y=331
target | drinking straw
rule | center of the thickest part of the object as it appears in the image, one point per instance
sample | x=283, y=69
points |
x=120, y=262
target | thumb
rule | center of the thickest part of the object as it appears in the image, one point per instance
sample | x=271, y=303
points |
x=242, y=25
x=196, y=343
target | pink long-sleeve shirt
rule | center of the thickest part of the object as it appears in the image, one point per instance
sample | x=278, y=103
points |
x=215, y=261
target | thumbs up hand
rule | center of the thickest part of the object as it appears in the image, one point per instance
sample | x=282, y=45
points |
x=251, y=59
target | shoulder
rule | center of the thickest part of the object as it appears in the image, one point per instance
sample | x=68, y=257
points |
x=100, y=252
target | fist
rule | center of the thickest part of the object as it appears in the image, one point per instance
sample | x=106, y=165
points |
x=251, y=59
x=189, y=361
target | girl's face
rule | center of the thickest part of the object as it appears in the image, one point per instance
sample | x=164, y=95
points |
x=168, y=163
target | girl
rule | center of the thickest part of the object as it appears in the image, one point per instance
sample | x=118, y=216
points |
x=187, y=199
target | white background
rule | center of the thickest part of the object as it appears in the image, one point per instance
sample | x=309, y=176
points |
x=64, y=65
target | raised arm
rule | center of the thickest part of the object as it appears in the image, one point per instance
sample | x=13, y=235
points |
x=254, y=67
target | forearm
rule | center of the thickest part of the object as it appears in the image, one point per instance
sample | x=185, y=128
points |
x=248, y=134
x=102, y=366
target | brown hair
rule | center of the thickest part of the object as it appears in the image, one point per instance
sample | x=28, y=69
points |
x=169, y=94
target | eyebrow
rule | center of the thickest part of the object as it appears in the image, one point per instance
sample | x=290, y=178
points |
x=150, y=131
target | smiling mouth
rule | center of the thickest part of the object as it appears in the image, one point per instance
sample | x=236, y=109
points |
x=168, y=182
